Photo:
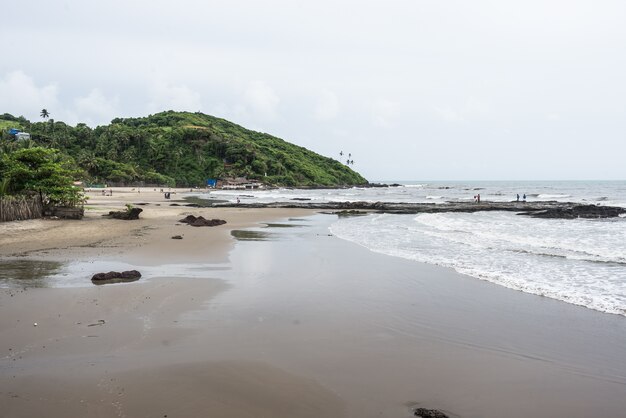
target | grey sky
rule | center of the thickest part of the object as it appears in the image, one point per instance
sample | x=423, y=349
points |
x=413, y=89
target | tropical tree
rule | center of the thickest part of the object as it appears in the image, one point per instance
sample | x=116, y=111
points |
x=44, y=114
x=41, y=170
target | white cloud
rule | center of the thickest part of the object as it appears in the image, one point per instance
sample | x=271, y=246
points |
x=553, y=117
x=470, y=110
x=384, y=112
x=168, y=96
x=448, y=114
x=20, y=95
x=95, y=107
x=327, y=106
x=261, y=100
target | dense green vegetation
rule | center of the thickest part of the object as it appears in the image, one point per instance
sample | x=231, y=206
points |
x=40, y=170
x=179, y=148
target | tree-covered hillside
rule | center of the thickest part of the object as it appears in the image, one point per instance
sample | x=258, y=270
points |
x=180, y=148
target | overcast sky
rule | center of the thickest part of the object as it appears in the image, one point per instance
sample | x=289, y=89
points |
x=414, y=90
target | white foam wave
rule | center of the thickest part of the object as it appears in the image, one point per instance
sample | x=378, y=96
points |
x=579, y=262
x=553, y=196
x=615, y=192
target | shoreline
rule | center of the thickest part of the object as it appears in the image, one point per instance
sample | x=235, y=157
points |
x=290, y=322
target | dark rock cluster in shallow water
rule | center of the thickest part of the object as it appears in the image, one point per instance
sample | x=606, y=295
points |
x=116, y=277
x=549, y=209
x=578, y=211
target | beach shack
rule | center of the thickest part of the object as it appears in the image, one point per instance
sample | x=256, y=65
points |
x=19, y=135
x=241, y=183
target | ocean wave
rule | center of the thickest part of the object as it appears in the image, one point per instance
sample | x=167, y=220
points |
x=582, y=263
x=574, y=255
x=434, y=197
x=581, y=297
x=553, y=196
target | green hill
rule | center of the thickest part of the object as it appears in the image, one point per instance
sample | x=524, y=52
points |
x=184, y=149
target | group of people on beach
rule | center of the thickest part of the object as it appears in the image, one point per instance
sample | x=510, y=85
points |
x=477, y=198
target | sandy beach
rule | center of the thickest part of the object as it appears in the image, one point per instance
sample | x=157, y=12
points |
x=284, y=320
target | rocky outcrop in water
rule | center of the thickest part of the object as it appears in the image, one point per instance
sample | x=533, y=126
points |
x=116, y=277
x=200, y=221
x=550, y=209
x=578, y=211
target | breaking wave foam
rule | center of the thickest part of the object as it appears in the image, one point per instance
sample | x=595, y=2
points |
x=582, y=262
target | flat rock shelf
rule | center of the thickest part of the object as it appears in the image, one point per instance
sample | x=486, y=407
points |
x=549, y=209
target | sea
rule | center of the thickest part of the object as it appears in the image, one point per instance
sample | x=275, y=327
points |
x=577, y=261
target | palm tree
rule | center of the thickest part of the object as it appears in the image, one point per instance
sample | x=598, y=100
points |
x=44, y=113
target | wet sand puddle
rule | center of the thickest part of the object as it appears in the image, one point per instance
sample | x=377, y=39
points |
x=27, y=273
x=30, y=273
x=261, y=233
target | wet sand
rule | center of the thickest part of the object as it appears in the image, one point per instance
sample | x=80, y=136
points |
x=291, y=322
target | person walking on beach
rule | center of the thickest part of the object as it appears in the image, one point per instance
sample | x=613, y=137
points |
x=478, y=197
x=524, y=197
x=518, y=197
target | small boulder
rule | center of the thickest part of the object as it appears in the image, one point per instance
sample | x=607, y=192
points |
x=127, y=215
x=177, y=237
x=116, y=277
x=201, y=221
x=429, y=413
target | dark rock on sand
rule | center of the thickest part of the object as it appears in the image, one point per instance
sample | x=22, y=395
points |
x=116, y=277
x=200, y=221
x=177, y=237
x=127, y=215
x=429, y=413
x=579, y=211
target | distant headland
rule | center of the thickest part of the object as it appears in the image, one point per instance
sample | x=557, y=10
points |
x=181, y=149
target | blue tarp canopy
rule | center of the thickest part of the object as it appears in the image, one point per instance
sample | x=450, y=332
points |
x=211, y=182
x=14, y=131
